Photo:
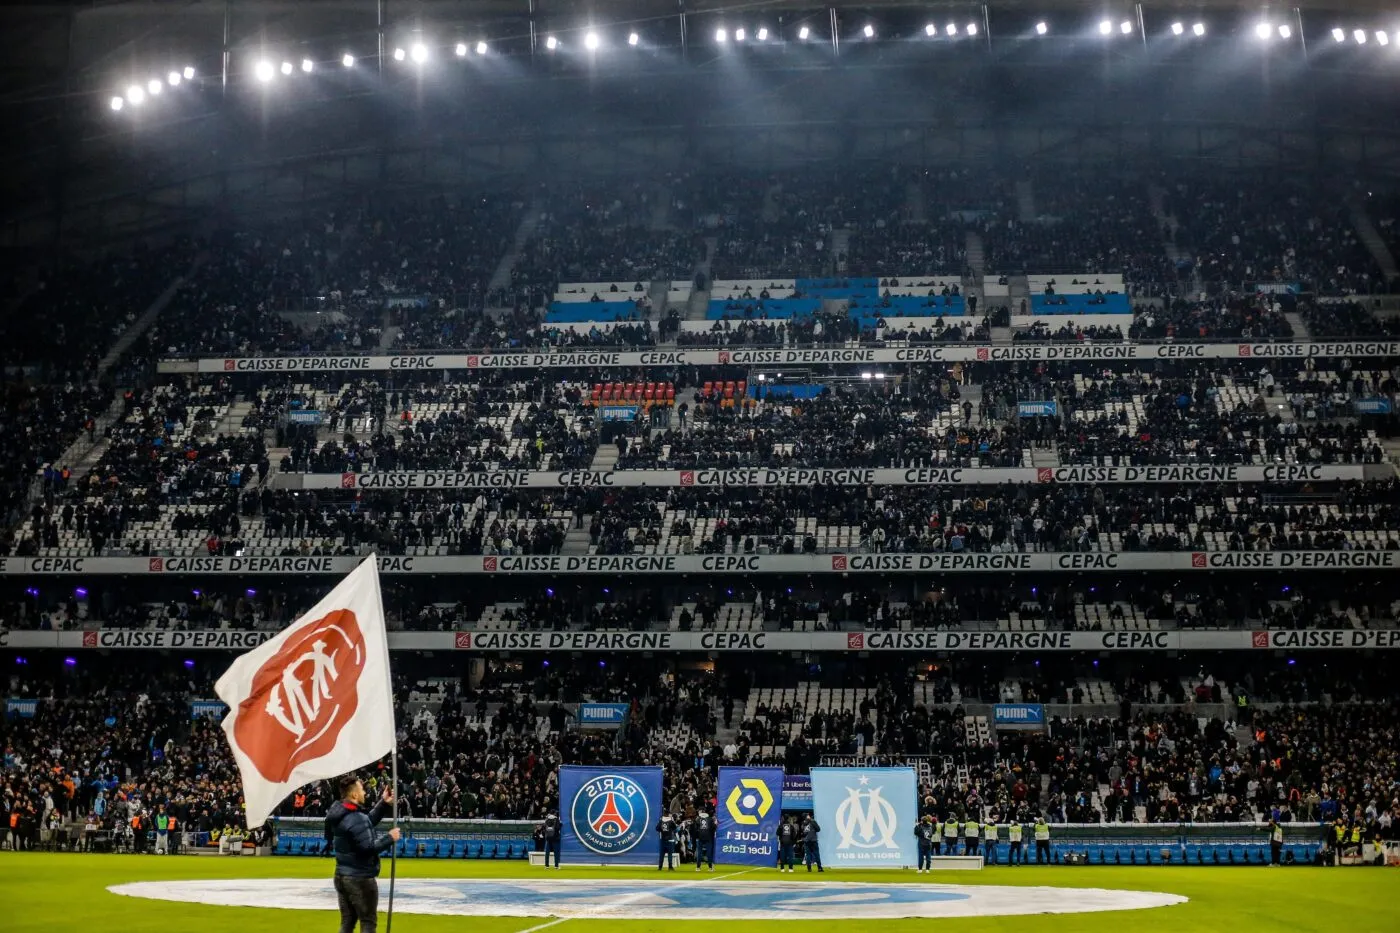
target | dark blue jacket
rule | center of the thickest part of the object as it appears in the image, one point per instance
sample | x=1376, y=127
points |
x=357, y=845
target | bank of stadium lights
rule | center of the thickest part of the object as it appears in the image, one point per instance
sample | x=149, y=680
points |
x=287, y=68
x=1360, y=36
x=721, y=35
x=1382, y=38
x=551, y=43
x=951, y=29
x=591, y=41
x=154, y=87
x=135, y=95
x=1041, y=28
x=307, y=65
x=869, y=31
x=460, y=49
x=740, y=35
x=481, y=47
x=1126, y=28
x=118, y=102
x=633, y=38
x=173, y=79
x=347, y=60
x=1285, y=31
x=1199, y=29
x=264, y=71
x=1339, y=34
x=972, y=29
x=400, y=55
x=1105, y=28
x=419, y=52
x=803, y=33
x=762, y=34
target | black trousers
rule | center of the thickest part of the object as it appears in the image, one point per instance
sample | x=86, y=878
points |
x=359, y=900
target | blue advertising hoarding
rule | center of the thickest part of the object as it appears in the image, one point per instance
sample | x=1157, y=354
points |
x=610, y=814
x=1371, y=406
x=797, y=792
x=749, y=809
x=601, y=715
x=19, y=708
x=1018, y=715
x=1033, y=409
x=214, y=708
x=867, y=816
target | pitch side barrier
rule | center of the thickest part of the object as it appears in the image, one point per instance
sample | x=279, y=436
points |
x=1283, y=473
x=970, y=641
x=796, y=356
x=501, y=565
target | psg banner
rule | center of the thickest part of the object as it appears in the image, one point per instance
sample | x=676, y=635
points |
x=610, y=815
x=750, y=806
x=867, y=816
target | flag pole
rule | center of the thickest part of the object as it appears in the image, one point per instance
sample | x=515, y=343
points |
x=394, y=851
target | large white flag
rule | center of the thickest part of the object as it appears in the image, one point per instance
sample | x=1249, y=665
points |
x=314, y=702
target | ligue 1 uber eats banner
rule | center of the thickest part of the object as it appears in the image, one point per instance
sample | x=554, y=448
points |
x=857, y=477
x=610, y=815
x=867, y=816
x=941, y=353
x=712, y=564
x=968, y=641
x=750, y=806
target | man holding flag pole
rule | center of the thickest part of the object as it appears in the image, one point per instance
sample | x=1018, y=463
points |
x=314, y=703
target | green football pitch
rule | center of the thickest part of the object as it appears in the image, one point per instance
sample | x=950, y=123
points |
x=59, y=891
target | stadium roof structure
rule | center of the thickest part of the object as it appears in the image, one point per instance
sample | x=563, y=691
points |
x=133, y=116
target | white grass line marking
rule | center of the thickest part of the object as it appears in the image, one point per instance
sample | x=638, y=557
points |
x=629, y=898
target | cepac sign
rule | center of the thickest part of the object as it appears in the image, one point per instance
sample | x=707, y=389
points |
x=608, y=814
x=867, y=816
x=601, y=715
x=1018, y=716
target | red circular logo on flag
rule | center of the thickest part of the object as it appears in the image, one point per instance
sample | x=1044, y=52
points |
x=303, y=696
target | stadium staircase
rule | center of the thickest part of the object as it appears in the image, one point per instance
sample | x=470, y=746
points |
x=82, y=454
x=1156, y=197
x=840, y=246
x=700, y=298
x=1300, y=329
x=976, y=255
x=147, y=318
x=501, y=277
x=1371, y=237
x=1025, y=201
x=915, y=210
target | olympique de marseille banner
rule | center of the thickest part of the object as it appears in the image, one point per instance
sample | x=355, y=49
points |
x=609, y=815
x=858, y=356
x=969, y=641
x=717, y=564
x=750, y=808
x=813, y=476
x=867, y=816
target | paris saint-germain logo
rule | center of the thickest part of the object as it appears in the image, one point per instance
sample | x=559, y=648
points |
x=610, y=814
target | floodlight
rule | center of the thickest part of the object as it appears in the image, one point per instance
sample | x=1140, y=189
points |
x=869, y=31
x=590, y=41
x=286, y=68
x=1178, y=29
x=1284, y=31
x=1041, y=28
x=1199, y=29
x=930, y=30
x=1105, y=28
x=460, y=49
x=419, y=52
x=1338, y=35
x=347, y=60
x=551, y=43
x=633, y=38
x=153, y=87
x=740, y=35
x=189, y=73
x=264, y=71
x=135, y=95
x=803, y=33
x=1382, y=38
x=1125, y=27
x=721, y=35
x=173, y=78
x=762, y=33
x=307, y=65
x=972, y=29
x=951, y=29
x=1263, y=30
x=398, y=55
x=1360, y=36
x=118, y=103
x=481, y=47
